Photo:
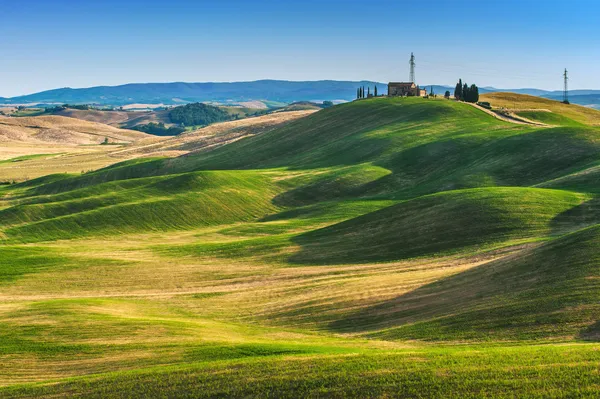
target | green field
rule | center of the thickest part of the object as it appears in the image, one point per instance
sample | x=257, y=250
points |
x=402, y=247
x=549, y=118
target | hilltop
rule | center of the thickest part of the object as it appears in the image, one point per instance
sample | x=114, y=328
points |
x=543, y=109
x=387, y=247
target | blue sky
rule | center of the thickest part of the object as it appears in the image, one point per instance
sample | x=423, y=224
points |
x=509, y=44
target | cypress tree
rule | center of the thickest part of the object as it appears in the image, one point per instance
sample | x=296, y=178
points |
x=368, y=92
x=458, y=90
x=465, y=92
x=474, y=91
x=375, y=91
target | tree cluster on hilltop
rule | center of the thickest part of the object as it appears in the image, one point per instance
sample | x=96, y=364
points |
x=198, y=114
x=464, y=92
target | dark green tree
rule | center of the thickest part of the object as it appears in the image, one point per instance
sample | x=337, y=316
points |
x=375, y=91
x=447, y=94
x=474, y=94
x=465, y=92
x=458, y=90
x=368, y=92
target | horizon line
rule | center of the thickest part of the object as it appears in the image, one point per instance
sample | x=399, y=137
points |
x=272, y=80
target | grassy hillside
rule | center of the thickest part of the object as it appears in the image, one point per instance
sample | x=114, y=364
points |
x=549, y=118
x=390, y=247
x=125, y=119
x=449, y=222
x=172, y=202
x=65, y=130
x=578, y=113
x=72, y=149
x=428, y=146
x=547, y=292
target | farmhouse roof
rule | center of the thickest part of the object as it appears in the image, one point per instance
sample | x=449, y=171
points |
x=407, y=84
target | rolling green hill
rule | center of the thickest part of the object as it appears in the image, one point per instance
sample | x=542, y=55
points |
x=389, y=247
x=548, y=292
x=449, y=222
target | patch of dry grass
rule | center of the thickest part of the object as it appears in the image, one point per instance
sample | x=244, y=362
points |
x=525, y=102
x=77, y=142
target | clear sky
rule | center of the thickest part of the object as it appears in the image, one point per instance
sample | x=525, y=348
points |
x=46, y=44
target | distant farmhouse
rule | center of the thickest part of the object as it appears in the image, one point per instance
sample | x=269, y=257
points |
x=405, y=89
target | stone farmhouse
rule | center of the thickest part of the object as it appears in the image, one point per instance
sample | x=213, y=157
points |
x=404, y=89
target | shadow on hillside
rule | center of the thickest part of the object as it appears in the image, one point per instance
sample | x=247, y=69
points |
x=592, y=333
x=546, y=291
x=347, y=182
x=456, y=162
x=579, y=217
x=484, y=160
x=445, y=297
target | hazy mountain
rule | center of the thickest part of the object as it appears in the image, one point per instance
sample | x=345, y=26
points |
x=280, y=91
x=177, y=93
x=530, y=91
x=589, y=100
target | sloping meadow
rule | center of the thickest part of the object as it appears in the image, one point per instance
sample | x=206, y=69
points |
x=349, y=240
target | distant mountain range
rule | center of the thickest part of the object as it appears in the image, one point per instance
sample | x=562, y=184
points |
x=179, y=93
x=276, y=91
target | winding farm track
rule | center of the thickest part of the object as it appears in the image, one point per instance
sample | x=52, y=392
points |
x=511, y=117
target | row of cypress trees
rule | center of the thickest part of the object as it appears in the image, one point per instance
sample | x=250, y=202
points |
x=360, y=92
x=464, y=92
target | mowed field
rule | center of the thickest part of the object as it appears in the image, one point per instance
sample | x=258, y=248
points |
x=118, y=118
x=544, y=110
x=390, y=247
x=32, y=147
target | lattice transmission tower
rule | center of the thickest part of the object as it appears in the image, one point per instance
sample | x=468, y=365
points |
x=412, y=68
x=566, y=88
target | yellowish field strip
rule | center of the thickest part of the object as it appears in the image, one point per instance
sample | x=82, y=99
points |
x=164, y=305
x=77, y=143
